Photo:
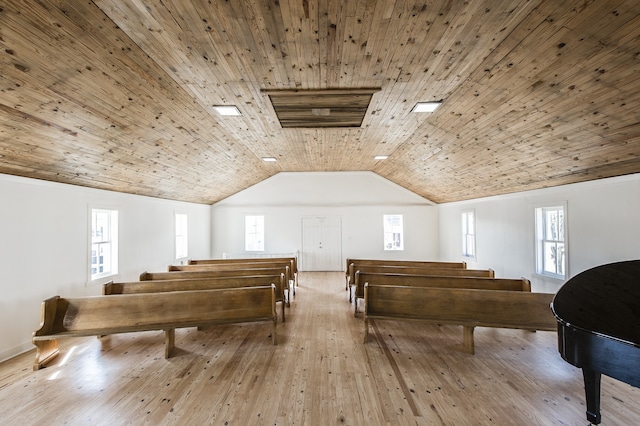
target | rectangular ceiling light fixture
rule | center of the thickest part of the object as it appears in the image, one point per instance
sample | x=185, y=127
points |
x=426, y=106
x=269, y=159
x=229, y=110
x=380, y=157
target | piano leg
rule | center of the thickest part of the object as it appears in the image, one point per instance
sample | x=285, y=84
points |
x=592, y=391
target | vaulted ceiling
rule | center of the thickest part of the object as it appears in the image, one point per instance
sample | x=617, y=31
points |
x=118, y=94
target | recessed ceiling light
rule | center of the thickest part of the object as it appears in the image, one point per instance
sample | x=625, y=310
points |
x=269, y=159
x=380, y=157
x=227, y=110
x=426, y=106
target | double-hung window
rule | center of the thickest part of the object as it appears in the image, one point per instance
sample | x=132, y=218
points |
x=254, y=233
x=469, y=234
x=393, y=232
x=551, y=247
x=104, y=243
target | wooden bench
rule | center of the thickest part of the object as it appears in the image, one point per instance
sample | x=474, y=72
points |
x=161, y=286
x=176, y=275
x=233, y=266
x=105, y=315
x=230, y=266
x=467, y=307
x=416, y=263
x=411, y=270
x=292, y=261
x=430, y=278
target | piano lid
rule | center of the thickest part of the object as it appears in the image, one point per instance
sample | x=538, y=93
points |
x=603, y=300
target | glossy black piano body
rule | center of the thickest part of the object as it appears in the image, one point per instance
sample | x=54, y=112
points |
x=598, y=313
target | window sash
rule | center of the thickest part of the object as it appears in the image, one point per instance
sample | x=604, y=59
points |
x=551, y=241
x=104, y=245
x=393, y=232
x=254, y=233
x=468, y=235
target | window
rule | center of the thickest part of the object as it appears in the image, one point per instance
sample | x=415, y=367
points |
x=393, y=232
x=551, y=250
x=469, y=234
x=254, y=233
x=104, y=243
x=182, y=240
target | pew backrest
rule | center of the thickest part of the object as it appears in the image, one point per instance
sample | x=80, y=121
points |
x=152, y=276
x=153, y=311
x=428, y=280
x=357, y=264
x=228, y=266
x=293, y=261
x=160, y=286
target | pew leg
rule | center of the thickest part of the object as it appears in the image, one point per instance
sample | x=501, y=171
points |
x=355, y=303
x=46, y=350
x=592, y=392
x=283, y=311
x=467, y=339
x=169, y=342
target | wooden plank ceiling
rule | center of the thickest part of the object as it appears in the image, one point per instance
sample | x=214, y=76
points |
x=118, y=94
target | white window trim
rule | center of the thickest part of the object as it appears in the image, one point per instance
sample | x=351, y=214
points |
x=538, y=250
x=104, y=277
x=475, y=228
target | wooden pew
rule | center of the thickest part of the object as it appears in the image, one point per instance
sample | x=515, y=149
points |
x=234, y=264
x=104, y=315
x=437, y=278
x=160, y=286
x=227, y=265
x=414, y=263
x=467, y=307
x=293, y=263
x=175, y=275
x=154, y=276
x=411, y=270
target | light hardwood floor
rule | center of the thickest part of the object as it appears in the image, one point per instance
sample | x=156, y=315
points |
x=320, y=373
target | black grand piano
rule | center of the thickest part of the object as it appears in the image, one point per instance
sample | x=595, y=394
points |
x=598, y=313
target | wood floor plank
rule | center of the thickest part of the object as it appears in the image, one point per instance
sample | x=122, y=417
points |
x=409, y=373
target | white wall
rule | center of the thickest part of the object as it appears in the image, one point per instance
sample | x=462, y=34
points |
x=44, y=229
x=603, y=226
x=358, y=198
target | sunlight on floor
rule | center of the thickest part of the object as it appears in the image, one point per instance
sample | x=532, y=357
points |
x=63, y=362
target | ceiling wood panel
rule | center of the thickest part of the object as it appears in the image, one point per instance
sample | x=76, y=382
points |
x=118, y=94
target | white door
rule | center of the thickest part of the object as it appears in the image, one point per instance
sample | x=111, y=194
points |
x=321, y=244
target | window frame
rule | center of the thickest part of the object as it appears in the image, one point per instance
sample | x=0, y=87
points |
x=396, y=244
x=261, y=247
x=181, y=236
x=542, y=241
x=468, y=238
x=112, y=242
